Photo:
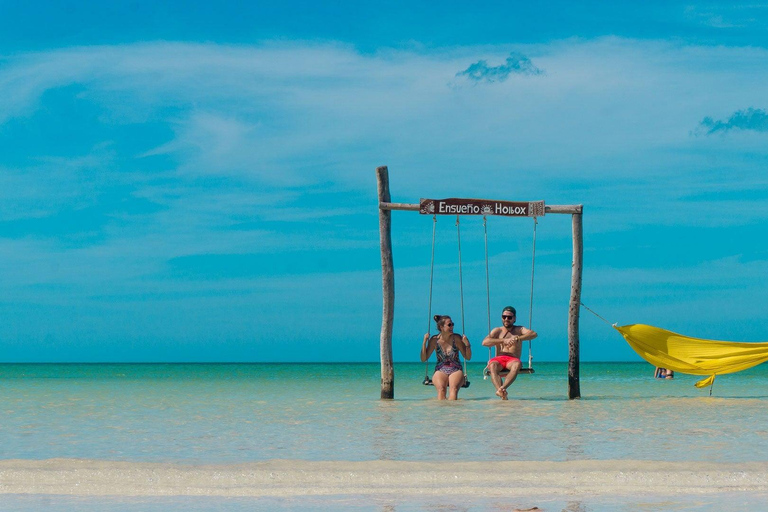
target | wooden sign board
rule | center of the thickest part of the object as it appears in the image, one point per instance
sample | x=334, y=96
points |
x=457, y=206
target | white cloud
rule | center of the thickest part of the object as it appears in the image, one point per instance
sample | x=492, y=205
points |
x=298, y=115
x=273, y=109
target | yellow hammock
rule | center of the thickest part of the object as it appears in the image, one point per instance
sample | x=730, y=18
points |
x=682, y=354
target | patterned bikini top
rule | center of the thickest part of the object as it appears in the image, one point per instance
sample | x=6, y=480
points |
x=442, y=357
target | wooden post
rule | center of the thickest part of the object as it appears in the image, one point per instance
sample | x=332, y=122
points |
x=574, y=389
x=388, y=286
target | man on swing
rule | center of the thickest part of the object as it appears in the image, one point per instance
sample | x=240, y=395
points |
x=508, y=342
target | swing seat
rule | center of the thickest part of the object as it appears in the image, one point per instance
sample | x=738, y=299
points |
x=428, y=382
x=504, y=373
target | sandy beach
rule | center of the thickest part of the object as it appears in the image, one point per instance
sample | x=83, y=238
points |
x=285, y=478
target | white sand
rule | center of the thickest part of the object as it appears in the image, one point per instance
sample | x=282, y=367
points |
x=283, y=478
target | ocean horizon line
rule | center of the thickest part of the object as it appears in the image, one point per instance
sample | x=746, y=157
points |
x=274, y=362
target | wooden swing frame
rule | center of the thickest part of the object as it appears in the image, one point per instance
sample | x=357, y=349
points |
x=471, y=207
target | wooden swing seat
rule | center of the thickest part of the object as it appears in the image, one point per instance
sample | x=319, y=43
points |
x=504, y=373
x=428, y=382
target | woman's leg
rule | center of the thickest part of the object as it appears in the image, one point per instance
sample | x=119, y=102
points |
x=455, y=381
x=440, y=381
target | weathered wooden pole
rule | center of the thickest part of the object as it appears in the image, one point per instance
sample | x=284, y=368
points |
x=574, y=389
x=388, y=285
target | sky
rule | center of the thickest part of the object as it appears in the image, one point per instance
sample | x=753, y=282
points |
x=189, y=181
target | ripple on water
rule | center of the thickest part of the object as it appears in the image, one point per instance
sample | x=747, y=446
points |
x=240, y=413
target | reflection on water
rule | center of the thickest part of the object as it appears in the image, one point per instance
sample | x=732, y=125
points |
x=233, y=413
x=723, y=501
x=385, y=438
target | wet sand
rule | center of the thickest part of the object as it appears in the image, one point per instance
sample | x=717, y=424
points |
x=291, y=478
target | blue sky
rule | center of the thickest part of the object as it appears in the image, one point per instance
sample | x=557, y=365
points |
x=195, y=182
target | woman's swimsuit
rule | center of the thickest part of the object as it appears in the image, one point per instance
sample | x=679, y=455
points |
x=447, y=363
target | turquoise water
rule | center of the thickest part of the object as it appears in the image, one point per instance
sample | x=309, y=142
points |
x=214, y=413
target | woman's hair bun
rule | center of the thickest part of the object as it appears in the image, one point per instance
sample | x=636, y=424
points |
x=437, y=317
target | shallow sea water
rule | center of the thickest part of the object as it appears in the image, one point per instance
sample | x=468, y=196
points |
x=245, y=413
x=232, y=413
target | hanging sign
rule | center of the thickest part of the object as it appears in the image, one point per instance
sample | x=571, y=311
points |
x=457, y=206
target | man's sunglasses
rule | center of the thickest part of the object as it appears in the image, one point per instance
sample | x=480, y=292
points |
x=507, y=317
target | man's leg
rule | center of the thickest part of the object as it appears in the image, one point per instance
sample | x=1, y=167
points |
x=514, y=369
x=493, y=369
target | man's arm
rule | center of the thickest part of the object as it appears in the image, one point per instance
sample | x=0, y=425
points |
x=495, y=338
x=526, y=334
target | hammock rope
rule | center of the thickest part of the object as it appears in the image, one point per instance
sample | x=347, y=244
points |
x=598, y=316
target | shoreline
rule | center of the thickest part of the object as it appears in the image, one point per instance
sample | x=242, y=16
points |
x=293, y=478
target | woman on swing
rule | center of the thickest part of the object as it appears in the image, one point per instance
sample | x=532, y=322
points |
x=447, y=345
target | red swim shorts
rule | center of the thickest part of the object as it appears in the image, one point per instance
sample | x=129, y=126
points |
x=504, y=360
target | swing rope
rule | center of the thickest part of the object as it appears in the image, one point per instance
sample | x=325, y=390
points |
x=431, y=277
x=487, y=283
x=427, y=380
x=488, y=292
x=530, y=308
x=461, y=291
